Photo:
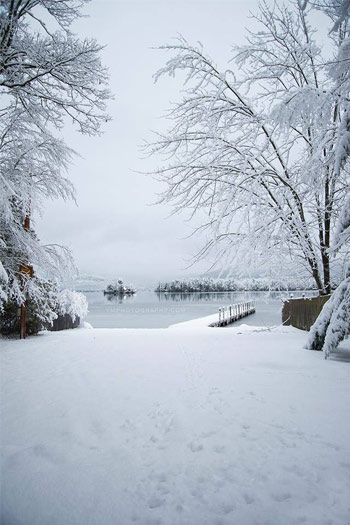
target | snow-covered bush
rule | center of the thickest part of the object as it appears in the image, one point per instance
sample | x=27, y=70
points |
x=43, y=305
x=333, y=323
x=72, y=303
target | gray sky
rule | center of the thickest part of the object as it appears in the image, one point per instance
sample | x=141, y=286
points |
x=114, y=231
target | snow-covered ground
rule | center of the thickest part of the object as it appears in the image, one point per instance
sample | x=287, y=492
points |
x=174, y=426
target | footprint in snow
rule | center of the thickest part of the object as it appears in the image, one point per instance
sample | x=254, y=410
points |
x=248, y=499
x=227, y=508
x=158, y=476
x=156, y=502
x=281, y=496
x=163, y=490
x=332, y=446
x=219, y=449
x=208, y=434
x=195, y=447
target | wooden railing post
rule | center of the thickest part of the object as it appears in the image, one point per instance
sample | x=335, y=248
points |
x=231, y=313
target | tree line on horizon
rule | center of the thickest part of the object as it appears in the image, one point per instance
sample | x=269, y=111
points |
x=258, y=284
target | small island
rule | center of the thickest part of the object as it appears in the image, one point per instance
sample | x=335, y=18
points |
x=119, y=288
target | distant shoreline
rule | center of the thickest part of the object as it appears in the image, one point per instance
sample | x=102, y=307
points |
x=203, y=291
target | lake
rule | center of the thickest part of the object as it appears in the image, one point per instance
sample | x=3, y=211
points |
x=148, y=309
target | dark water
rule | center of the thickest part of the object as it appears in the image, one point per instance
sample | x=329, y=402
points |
x=148, y=309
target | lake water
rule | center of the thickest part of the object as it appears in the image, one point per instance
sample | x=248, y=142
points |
x=148, y=309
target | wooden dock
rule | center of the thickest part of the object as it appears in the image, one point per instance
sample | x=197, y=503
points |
x=232, y=313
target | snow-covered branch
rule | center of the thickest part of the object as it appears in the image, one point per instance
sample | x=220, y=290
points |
x=257, y=153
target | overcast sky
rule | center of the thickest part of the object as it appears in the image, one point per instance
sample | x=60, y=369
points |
x=114, y=230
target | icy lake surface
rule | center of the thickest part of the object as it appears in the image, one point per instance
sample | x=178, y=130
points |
x=148, y=309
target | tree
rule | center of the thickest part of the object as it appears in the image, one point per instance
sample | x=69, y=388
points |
x=333, y=323
x=338, y=10
x=31, y=164
x=48, y=77
x=252, y=155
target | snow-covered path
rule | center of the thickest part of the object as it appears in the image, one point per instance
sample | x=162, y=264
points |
x=175, y=426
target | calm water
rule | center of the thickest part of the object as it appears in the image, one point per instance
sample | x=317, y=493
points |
x=148, y=309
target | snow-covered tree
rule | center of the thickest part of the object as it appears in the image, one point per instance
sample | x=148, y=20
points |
x=333, y=323
x=338, y=10
x=48, y=78
x=32, y=162
x=251, y=154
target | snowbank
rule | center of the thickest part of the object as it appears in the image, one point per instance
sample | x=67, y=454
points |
x=172, y=426
x=209, y=320
x=201, y=322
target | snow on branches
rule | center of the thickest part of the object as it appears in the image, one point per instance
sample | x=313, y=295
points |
x=333, y=323
x=252, y=149
x=48, y=78
x=72, y=303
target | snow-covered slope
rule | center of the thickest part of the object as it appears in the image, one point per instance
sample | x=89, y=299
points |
x=201, y=426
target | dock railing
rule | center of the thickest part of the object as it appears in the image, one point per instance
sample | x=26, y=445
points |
x=232, y=313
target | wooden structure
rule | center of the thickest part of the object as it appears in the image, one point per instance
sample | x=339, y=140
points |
x=232, y=313
x=63, y=322
x=302, y=313
x=26, y=272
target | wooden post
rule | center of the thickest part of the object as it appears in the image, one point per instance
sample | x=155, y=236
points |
x=24, y=271
x=22, y=333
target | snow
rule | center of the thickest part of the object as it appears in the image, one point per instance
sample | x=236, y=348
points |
x=333, y=324
x=201, y=322
x=72, y=303
x=209, y=320
x=187, y=425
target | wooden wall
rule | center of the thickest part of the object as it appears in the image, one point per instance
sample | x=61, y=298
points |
x=63, y=322
x=302, y=313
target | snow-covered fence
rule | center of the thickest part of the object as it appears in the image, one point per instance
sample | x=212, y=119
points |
x=64, y=322
x=302, y=313
x=71, y=307
x=72, y=303
x=232, y=313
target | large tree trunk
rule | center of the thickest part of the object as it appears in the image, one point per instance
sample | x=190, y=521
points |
x=326, y=244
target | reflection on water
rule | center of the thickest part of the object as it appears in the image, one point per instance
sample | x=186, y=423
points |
x=118, y=298
x=194, y=296
x=226, y=297
x=148, y=309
